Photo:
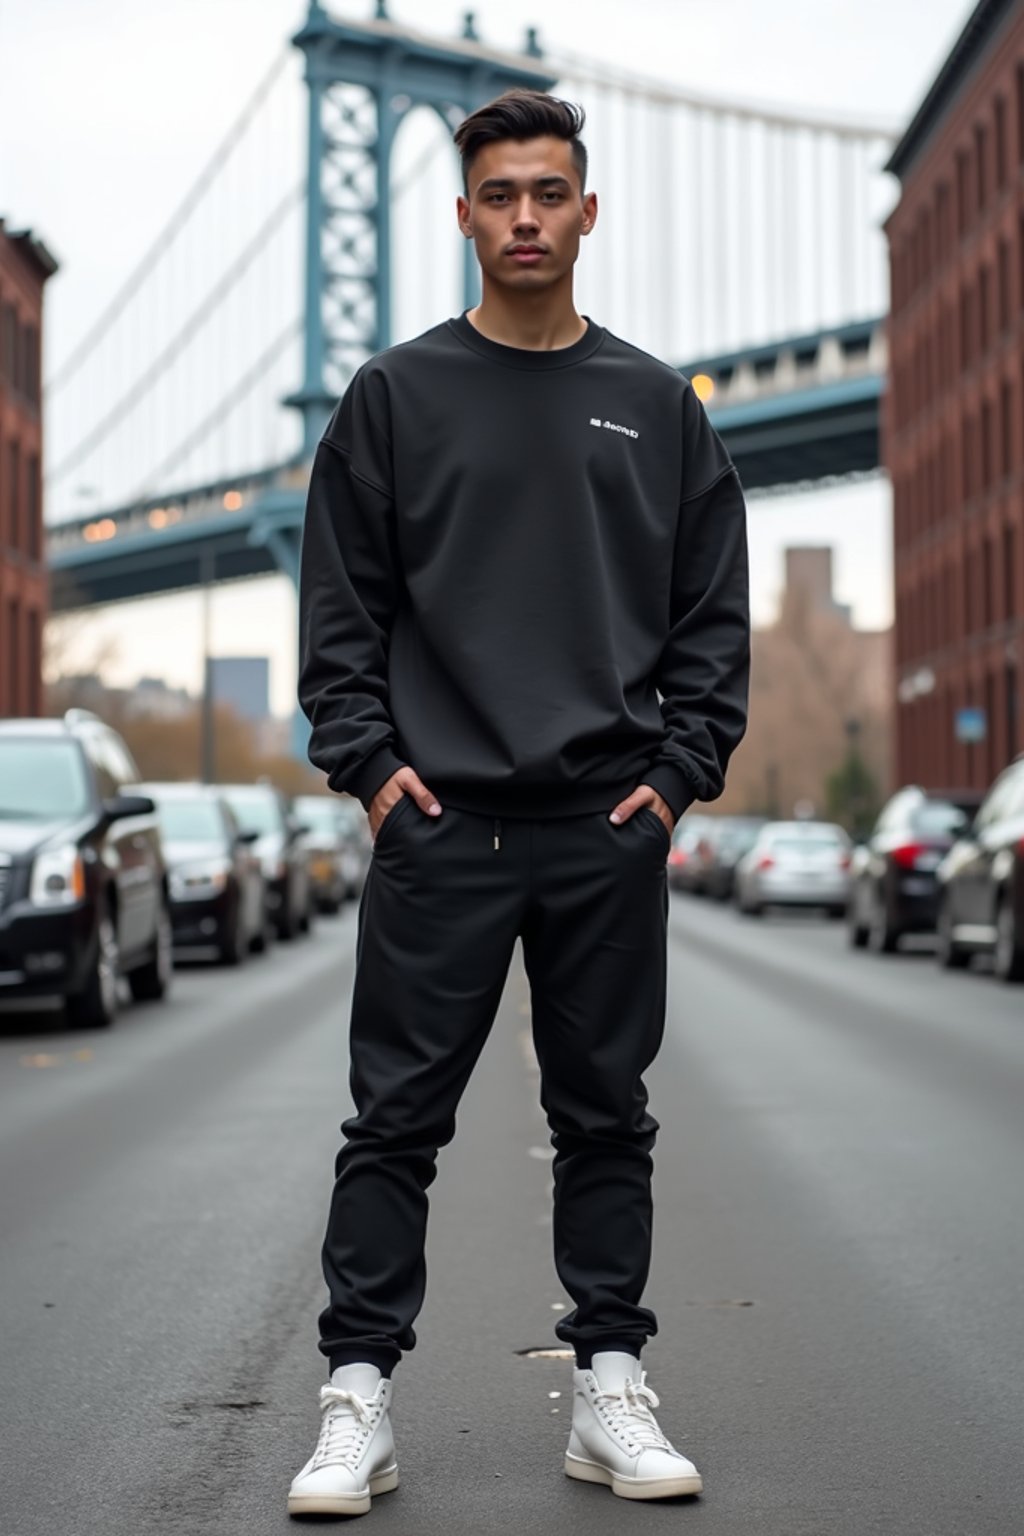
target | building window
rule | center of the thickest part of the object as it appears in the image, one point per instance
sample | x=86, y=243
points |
x=966, y=327
x=1006, y=427
x=14, y=495
x=1020, y=113
x=988, y=455
x=1009, y=572
x=35, y=663
x=1000, y=141
x=12, y=656
x=9, y=332
x=981, y=165
x=988, y=615
x=1004, y=285
x=985, y=307
x=966, y=464
x=1012, y=704
x=30, y=370
x=33, y=509
x=963, y=188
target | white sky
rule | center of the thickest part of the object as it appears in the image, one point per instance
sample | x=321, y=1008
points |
x=110, y=108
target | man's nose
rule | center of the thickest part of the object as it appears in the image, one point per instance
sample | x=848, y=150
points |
x=525, y=216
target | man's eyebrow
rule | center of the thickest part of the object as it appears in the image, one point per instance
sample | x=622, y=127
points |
x=493, y=183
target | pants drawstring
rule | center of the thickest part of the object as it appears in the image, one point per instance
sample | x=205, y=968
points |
x=497, y=836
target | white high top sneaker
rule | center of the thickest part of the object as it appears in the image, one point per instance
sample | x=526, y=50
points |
x=355, y=1454
x=615, y=1438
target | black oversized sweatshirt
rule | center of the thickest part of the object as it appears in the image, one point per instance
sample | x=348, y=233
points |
x=507, y=557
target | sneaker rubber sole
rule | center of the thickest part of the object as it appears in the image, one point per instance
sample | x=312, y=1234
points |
x=632, y=1487
x=357, y=1503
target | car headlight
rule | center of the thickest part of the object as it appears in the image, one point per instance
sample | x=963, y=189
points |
x=200, y=879
x=58, y=877
x=274, y=867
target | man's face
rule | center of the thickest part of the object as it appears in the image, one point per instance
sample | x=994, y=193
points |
x=526, y=212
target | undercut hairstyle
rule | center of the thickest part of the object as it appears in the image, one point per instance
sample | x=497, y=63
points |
x=522, y=115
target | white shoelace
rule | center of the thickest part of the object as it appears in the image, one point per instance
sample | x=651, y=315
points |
x=346, y=1422
x=628, y=1410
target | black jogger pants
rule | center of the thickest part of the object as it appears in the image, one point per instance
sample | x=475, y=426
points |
x=444, y=902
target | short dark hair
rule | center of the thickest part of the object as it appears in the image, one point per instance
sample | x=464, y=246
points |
x=522, y=115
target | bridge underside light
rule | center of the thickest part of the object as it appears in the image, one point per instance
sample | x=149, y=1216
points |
x=232, y=501
x=94, y=533
x=158, y=518
x=703, y=386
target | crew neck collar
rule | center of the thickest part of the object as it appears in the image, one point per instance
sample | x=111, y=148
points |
x=528, y=357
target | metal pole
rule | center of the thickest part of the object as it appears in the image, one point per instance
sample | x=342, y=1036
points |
x=207, y=570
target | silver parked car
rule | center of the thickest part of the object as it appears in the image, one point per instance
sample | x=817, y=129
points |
x=795, y=864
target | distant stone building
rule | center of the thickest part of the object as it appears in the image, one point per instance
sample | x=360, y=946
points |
x=954, y=419
x=25, y=266
x=817, y=686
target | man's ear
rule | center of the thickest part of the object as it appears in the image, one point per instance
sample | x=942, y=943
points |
x=589, y=212
x=462, y=213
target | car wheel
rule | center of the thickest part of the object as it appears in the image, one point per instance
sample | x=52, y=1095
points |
x=287, y=924
x=1009, y=952
x=856, y=932
x=95, y=1007
x=262, y=940
x=883, y=937
x=150, y=982
x=232, y=946
x=948, y=952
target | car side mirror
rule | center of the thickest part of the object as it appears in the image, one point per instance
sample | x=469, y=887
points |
x=249, y=836
x=118, y=807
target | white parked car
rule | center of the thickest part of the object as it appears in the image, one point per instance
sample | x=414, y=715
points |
x=795, y=864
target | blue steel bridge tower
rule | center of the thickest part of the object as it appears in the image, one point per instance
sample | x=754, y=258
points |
x=363, y=79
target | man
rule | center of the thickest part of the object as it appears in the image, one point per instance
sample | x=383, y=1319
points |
x=520, y=531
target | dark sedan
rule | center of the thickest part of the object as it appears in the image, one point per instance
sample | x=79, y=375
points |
x=83, y=885
x=731, y=840
x=894, y=886
x=262, y=809
x=218, y=895
x=981, y=882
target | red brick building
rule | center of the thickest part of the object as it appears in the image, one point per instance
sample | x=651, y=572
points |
x=954, y=417
x=25, y=265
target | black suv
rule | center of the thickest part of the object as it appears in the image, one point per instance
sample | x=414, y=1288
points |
x=83, y=888
x=981, y=882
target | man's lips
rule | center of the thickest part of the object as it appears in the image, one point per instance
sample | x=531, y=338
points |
x=526, y=253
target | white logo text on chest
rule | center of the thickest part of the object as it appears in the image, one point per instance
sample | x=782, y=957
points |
x=613, y=426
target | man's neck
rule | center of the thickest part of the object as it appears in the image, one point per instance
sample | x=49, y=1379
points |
x=536, y=322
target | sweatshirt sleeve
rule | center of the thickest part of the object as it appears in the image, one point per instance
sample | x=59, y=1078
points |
x=348, y=592
x=703, y=675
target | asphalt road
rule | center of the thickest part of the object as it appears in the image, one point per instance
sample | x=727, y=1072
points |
x=839, y=1265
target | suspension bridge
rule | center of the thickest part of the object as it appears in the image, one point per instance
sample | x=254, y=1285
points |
x=741, y=243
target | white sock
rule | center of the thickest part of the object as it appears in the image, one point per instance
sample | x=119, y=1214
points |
x=359, y=1377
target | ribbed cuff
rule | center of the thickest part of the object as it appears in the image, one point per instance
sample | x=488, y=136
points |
x=369, y=776
x=673, y=785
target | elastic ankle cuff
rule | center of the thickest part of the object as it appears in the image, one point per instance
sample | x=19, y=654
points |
x=382, y=1359
x=585, y=1352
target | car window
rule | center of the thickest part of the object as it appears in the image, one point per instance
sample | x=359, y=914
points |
x=814, y=844
x=255, y=812
x=318, y=812
x=1015, y=797
x=122, y=763
x=106, y=778
x=41, y=780
x=996, y=803
x=937, y=818
x=191, y=821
